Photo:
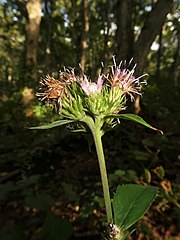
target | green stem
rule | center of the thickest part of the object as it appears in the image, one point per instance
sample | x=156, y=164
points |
x=95, y=127
x=102, y=165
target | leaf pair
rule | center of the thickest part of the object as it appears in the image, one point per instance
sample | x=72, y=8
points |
x=128, y=116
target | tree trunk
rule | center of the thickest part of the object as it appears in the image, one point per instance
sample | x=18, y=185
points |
x=125, y=31
x=85, y=31
x=158, y=66
x=106, y=28
x=149, y=32
x=176, y=63
x=48, y=23
x=34, y=9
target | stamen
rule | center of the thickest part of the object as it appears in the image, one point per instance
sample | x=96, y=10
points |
x=114, y=61
x=120, y=64
x=130, y=61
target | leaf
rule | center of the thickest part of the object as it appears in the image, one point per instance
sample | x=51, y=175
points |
x=135, y=118
x=53, y=124
x=147, y=175
x=159, y=171
x=22, y=184
x=68, y=188
x=8, y=188
x=55, y=228
x=40, y=201
x=5, y=189
x=12, y=233
x=140, y=156
x=131, y=202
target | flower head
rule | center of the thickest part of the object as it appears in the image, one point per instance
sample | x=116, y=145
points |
x=91, y=88
x=68, y=76
x=53, y=90
x=124, y=78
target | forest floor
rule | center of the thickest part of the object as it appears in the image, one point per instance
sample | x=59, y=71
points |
x=65, y=176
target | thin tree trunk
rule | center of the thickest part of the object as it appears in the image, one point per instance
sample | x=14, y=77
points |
x=85, y=31
x=106, y=22
x=125, y=31
x=34, y=9
x=176, y=63
x=158, y=66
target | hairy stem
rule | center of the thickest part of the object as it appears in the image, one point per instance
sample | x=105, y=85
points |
x=95, y=127
x=104, y=179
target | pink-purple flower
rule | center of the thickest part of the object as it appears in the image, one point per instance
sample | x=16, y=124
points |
x=124, y=78
x=91, y=88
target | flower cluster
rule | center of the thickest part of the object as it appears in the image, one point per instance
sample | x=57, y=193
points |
x=123, y=78
x=107, y=96
x=53, y=90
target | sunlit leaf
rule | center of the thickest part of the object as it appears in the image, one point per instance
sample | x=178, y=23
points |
x=159, y=171
x=147, y=175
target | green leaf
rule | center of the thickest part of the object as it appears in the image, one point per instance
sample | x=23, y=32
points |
x=131, y=202
x=5, y=189
x=135, y=118
x=12, y=232
x=9, y=187
x=40, y=201
x=22, y=184
x=147, y=175
x=53, y=124
x=159, y=171
x=140, y=155
x=68, y=188
x=55, y=228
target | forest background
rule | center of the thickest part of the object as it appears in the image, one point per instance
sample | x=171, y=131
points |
x=49, y=180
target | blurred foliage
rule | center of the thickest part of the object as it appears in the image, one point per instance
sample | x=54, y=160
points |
x=49, y=181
